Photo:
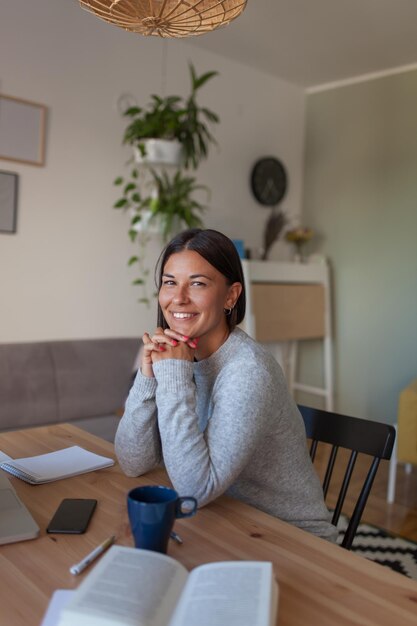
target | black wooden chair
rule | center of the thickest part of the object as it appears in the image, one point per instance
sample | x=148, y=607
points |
x=358, y=435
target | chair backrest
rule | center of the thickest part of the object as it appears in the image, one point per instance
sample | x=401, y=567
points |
x=358, y=435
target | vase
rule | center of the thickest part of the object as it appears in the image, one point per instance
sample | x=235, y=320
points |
x=298, y=255
x=159, y=151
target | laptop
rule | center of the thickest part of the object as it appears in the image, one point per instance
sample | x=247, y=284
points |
x=16, y=523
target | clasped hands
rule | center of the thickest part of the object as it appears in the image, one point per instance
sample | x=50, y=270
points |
x=166, y=344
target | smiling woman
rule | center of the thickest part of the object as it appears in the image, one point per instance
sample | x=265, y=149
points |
x=212, y=403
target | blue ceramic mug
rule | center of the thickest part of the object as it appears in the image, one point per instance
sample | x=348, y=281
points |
x=152, y=511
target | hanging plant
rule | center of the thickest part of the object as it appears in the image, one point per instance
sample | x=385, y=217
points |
x=158, y=201
x=174, y=117
x=171, y=208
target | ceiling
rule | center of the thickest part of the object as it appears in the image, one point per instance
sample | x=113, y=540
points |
x=315, y=42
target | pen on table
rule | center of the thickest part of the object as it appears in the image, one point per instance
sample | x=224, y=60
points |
x=175, y=536
x=80, y=567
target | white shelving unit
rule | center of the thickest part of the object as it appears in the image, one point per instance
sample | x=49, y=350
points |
x=289, y=302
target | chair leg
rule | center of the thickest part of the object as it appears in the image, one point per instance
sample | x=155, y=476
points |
x=392, y=473
x=360, y=505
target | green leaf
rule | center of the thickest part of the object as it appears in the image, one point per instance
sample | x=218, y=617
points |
x=157, y=100
x=129, y=187
x=212, y=117
x=199, y=82
x=133, y=260
x=193, y=74
x=118, y=180
x=120, y=203
x=138, y=281
x=142, y=149
x=132, y=111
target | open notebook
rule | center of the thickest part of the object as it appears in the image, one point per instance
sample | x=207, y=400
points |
x=16, y=523
x=64, y=463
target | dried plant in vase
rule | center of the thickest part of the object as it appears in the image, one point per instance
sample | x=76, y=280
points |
x=272, y=231
x=299, y=237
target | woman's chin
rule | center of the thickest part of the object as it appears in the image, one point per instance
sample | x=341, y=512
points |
x=186, y=328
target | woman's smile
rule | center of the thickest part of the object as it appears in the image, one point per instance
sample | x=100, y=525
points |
x=183, y=316
x=182, y=321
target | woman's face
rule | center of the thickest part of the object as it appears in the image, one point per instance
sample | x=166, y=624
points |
x=193, y=297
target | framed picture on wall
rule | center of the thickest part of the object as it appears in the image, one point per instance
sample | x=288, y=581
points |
x=22, y=130
x=8, y=202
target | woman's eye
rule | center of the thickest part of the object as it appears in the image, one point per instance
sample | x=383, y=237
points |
x=197, y=283
x=168, y=282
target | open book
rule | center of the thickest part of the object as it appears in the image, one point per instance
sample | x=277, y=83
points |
x=64, y=463
x=137, y=587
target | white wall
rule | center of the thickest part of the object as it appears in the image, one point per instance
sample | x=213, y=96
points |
x=361, y=197
x=64, y=274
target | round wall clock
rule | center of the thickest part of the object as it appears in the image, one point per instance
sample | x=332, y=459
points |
x=268, y=181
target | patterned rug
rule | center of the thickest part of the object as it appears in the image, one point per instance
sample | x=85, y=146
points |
x=383, y=547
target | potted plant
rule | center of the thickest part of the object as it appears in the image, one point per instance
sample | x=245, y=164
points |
x=169, y=208
x=158, y=201
x=172, y=120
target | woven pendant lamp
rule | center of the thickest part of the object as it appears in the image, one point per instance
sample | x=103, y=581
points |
x=166, y=18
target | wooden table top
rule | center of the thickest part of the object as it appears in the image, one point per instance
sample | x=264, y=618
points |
x=320, y=583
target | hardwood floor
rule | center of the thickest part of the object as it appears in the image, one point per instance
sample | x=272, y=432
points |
x=399, y=517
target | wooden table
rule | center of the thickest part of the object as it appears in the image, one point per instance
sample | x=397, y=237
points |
x=320, y=583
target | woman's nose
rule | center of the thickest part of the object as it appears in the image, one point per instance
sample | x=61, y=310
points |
x=180, y=295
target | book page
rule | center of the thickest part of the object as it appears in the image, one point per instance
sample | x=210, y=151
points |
x=129, y=586
x=231, y=593
x=58, y=601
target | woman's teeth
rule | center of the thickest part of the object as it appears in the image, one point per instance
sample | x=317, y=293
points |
x=182, y=316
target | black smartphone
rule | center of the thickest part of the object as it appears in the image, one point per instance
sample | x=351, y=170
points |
x=72, y=516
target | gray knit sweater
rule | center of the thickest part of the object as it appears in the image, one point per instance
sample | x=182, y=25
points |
x=225, y=424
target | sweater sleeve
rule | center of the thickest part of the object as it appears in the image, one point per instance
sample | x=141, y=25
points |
x=204, y=464
x=137, y=442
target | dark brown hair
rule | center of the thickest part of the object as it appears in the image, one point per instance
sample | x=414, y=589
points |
x=220, y=252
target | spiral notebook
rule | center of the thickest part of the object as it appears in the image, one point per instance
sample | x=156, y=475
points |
x=64, y=463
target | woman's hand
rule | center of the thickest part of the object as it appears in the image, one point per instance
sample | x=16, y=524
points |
x=192, y=342
x=146, y=361
x=166, y=344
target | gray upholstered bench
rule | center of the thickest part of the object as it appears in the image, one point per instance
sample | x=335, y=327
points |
x=80, y=381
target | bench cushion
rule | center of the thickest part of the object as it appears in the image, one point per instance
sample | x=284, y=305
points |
x=58, y=381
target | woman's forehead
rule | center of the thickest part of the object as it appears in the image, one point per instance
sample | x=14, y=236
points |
x=189, y=262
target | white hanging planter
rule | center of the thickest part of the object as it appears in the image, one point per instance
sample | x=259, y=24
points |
x=146, y=224
x=152, y=224
x=159, y=151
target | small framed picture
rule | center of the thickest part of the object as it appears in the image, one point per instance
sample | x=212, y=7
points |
x=22, y=130
x=8, y=202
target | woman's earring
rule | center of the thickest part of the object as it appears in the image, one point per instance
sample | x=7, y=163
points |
x=228, y=311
